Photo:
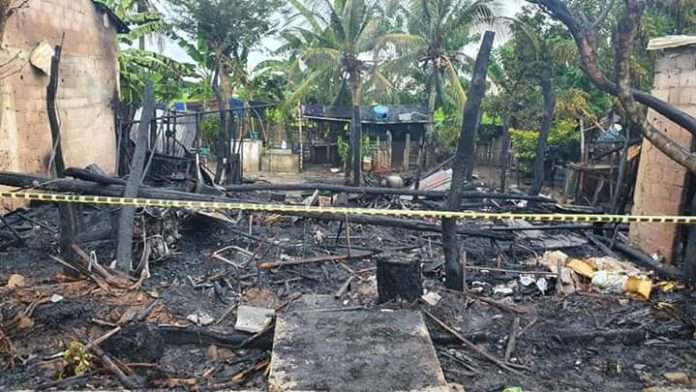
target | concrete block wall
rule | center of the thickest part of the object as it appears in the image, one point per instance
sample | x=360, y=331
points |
x=87, y=93
x=661, y=183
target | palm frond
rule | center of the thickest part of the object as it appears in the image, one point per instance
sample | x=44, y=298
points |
x=321, y=56
x=455, y=84
x=402, y=42
x=310, y=16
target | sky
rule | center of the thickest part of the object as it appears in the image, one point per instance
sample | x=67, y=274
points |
x=263, y=52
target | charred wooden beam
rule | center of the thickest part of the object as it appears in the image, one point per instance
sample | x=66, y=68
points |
x=464, y=162
x=316, y=260
x=310, y=187
x=409, y=224
x=69, y=217
x=124, y=248
x=643, y=260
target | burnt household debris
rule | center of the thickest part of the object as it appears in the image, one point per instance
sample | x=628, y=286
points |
x=106, y=296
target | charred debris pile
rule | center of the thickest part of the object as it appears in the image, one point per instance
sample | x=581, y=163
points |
x=195, y=306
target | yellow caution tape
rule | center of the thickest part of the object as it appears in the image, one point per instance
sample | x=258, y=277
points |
x=276, y=208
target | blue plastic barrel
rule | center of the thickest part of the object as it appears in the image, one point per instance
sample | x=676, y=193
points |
x=381, y=113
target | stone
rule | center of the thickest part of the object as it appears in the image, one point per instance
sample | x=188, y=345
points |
x=16, y=281
x=200, y=318
x=253, y=319
x=677, y=377
x=351, y=350
x=42, y=56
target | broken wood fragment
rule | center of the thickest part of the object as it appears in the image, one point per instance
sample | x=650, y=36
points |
x=344, y=288
x=512, y=339
x=318, y=259
x=126, y=381
x=471, y=345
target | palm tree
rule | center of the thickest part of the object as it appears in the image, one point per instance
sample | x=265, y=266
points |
x=336, y=37
x=436, y=33
x=541, y=47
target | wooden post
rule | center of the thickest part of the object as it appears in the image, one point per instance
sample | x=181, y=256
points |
x=389, y=149
x=407, y=152
x=463, y=163
x=398, y=279
x=299, y=111
x=420, y=161
x=690, y=254
x=124, y=249
x=356, y=143
x=545, y=129
x=504, y=151
x=68, y=213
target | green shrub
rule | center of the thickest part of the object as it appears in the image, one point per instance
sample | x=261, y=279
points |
x=563, y=139
x=211, y=126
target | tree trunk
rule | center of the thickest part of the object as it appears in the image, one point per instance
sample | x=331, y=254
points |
x=430, y=126
x=231, y=149
x=124, y=248
x=463, y=162
x=621, y=177
x=219, y=144
x=546, y=123
x=356, y=128
x=141, y=7
x=584, y=38
x=504, y=156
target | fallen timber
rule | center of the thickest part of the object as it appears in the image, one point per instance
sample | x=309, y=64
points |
x=643, y=260
x=96, y=189
x=86, y=175
x=378, y=191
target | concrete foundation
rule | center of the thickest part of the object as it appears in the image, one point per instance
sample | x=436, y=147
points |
x=354, y=351
x=278, y=160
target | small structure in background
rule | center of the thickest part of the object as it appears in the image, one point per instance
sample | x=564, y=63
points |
x=594, y=178
x=395, y=134
x=186, y=130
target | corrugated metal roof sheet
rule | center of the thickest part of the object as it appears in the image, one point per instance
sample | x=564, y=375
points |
x=671, y=41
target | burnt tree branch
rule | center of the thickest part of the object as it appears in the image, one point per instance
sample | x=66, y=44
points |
x=583, y=34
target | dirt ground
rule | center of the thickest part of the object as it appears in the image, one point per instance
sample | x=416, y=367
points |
x=578, y=342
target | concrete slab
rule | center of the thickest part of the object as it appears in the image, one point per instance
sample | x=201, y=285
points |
x=348, y=351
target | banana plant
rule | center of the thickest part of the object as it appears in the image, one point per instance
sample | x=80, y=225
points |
x=137, y=65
